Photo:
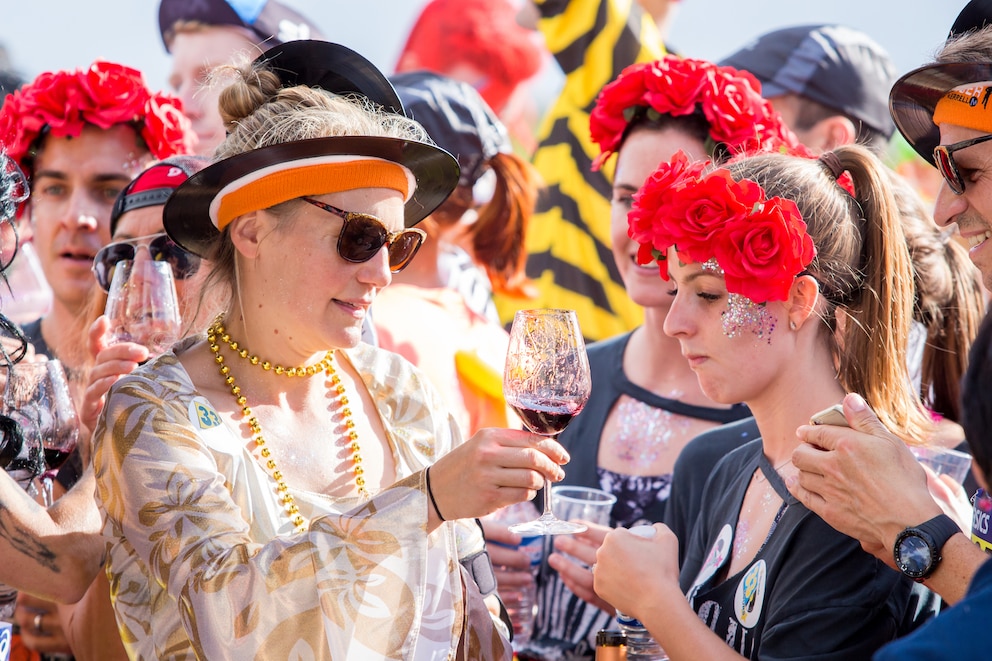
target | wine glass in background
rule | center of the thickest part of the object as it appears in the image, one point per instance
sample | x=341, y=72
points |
x=547, y=382
x=37, y=398
x=21, y=457
x=142, y=305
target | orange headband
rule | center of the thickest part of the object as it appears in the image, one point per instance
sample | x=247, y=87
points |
x=966, y=106
x=269, y=186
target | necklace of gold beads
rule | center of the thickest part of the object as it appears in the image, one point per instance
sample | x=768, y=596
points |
x=326, y=365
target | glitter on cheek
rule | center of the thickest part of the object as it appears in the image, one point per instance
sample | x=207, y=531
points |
x=744, y=315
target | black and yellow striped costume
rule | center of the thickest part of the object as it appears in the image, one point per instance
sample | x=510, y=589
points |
x=568, y=241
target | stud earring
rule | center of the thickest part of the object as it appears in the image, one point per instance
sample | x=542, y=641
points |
x=792, y=325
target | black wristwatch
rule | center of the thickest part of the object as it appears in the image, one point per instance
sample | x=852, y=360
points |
x=917, y=549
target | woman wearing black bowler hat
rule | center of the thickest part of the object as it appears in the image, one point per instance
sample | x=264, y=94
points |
x=276, y=489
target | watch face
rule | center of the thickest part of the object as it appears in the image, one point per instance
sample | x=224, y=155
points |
x=914, y=556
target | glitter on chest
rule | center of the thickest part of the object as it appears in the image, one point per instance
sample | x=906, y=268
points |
x=644, y=431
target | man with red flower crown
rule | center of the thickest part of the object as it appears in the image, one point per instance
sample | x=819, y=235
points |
x=80, y=136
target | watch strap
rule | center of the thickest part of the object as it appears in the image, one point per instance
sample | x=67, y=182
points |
x=941, y=528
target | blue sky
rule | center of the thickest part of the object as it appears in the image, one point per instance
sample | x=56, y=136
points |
x=55, y=34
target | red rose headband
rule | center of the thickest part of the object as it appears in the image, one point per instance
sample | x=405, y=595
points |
x=730, y=99
x=105, y=94
x=759, y=243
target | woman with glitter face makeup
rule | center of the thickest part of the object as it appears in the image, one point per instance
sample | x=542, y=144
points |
x=646, y=403
x=763, y=256
x=275, y=488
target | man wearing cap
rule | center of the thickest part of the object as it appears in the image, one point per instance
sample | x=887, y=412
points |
x=865, y=482
x=202, y=34
x=829, y=82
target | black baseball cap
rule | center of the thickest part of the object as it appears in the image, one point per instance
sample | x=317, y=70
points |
x=836, y=66
x=456, y=117
x=155, y=184
x=272, y=21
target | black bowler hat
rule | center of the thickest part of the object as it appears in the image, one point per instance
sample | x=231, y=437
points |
x=331, y=67
x=190, y=214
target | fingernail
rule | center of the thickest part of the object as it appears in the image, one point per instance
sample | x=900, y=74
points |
x=792, y=482
x=856, y=402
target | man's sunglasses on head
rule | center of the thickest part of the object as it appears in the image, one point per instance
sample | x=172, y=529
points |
x=161, y=249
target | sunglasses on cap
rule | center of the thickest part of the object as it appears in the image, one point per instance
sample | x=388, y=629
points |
x=161, y=248
x=363, y=236
x=943, y=158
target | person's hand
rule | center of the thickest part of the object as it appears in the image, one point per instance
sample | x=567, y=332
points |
x=41, y=627
x=493, y=469
x=111, y=362
x=512, y=566
x=575, y=568
x=626, y=561
x=862, y=480
x=951, y=497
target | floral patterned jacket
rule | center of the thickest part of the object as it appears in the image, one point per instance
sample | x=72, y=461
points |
x=203, y=563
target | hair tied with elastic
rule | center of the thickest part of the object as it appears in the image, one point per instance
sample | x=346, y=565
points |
x=832, y=163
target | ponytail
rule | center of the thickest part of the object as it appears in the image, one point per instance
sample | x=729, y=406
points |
x=874, y=341
x=497, y=237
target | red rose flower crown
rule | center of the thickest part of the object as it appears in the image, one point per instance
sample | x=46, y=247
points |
x=730, y=99
x=105, y=94
x=760, y=243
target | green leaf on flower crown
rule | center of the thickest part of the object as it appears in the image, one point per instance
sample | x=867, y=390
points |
x=629, y=113
x=710, y=146
x=658, y=255
x=652, y=114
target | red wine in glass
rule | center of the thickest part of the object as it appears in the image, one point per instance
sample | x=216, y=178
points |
x=546, y=418
x=54, y=458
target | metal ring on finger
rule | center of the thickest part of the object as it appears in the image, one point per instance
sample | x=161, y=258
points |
x=37, y=622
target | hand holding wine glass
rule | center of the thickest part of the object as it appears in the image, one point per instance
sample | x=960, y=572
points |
x=547, y=382
x=142, y=305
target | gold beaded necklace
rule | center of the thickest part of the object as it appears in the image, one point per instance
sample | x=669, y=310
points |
x=326, y=365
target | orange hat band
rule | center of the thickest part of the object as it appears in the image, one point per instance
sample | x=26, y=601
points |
x=967, y=106
x=281, y=182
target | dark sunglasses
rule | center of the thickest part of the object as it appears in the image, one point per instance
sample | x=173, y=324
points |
x=161, y=248
x=943, y=158
x=363, y=236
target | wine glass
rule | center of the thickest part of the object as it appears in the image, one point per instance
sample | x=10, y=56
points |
x=142, y=305
x=37, y=398
x=547, y=382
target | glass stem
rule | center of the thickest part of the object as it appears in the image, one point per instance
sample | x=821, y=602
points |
x=46, y=483
x=548, y=513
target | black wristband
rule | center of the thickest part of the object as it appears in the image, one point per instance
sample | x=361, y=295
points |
x=430, y=493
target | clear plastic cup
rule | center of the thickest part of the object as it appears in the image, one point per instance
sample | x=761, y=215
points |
x=584, y=503
x=944, y=461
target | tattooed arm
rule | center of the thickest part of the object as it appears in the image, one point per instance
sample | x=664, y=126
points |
x=54, y=553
